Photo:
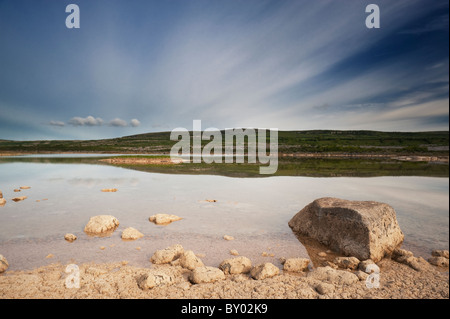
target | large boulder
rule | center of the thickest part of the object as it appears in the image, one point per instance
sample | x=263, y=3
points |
x=363, y=229
x=101, y=225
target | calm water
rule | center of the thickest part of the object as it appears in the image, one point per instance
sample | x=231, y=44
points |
x=255, y=211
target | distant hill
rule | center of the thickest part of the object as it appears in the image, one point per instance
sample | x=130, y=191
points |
x=289, y=142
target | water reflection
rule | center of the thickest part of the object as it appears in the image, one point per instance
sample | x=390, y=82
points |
x=246, y=207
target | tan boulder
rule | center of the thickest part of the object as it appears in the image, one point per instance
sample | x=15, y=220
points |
x=131, y=233
x=363, y=229
x=189, y=260
x=20, y=198
x=206, y=275
x=440, y=253
x=438, y=261
x=333, y=276
x=101, y=225
x=347, y=262
x=155, y=278
x=163, y=219
x=263, y=271
x=70, y=237
x=296, y=264
x=237, y=265
x=167, y=255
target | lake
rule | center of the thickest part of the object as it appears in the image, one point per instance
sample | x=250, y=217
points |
x=255, y=211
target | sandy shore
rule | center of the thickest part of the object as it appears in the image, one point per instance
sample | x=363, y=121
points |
x=120, y=280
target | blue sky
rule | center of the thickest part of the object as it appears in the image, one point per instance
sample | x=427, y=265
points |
x=145, y=66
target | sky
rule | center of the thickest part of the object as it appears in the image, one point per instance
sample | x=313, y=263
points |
x=148, y=66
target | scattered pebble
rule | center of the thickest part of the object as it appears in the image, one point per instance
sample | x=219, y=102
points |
x=234, y=252
x=25, y=187
x=102, y=247
x=164, y=219
x=20, y=198
x=17, y=190
x=70, y=237
x=228, y=237
x=50, y=256
x=109, y=190
x=322, y=254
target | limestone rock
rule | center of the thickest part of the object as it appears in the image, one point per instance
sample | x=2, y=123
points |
x=365, y=265
x=131, y=233
x=2, y=202
x=362, y=276
x=189, y=261
x=109, y=190
x=363, y=229
x=155, y=278
x=25, y=187
x=440, y=253
x=1, y=194
x=228, y=237
x=347, y=262
x=324, y=288
x=438, y=261
x=263, y=271
x=206, y=274
x=237, y=265
x=3, y=264
x=167, y=255
x=20, y=198
x=406, y=257
x=337, y=277
x=296, y=264
x=163, y=219
x=234, y=252
x=70, y=237
x=101, y=225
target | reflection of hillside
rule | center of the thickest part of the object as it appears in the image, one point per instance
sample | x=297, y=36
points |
x=288, y=166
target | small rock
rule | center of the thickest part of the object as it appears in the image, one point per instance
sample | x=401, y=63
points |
x=189, y=261
x=400, y=255
x=131, y=233
x=163, y=219
x=2, y=202
x=438, y=261
x=167, y=255
x=406, y=257
x=102, y=247
x=96, y=271
x=49, y=256
x=70, y=237
x=263, y=271
x=154, y=278
x=264, y=254
x=440, y=253
x=20, y=198
x=324, y=288
x=109, y=190
x=206, y=274
x=211, y=200
x=347, y=262
x=3, y=264
x=228, y=237
x=322, y=254
x=25, y=187
x=363, y=265
x=234, y=252
x=16, y=190
x=362, y=276
x=296, y=264
x=339, y=277
x=238, y=265
x=1, y=194
x=101, y=225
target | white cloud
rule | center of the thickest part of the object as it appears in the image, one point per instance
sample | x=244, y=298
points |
x=56, y=123
x=118, y=123
x=135, y=123
x=88, y=121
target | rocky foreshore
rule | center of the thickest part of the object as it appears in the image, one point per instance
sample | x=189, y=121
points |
x=174, y=272
x=364, y=260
